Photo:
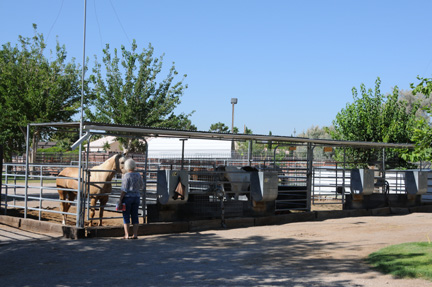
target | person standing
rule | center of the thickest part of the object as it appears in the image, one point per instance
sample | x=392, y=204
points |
x=132, y=184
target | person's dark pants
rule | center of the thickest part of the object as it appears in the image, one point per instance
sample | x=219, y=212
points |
x=132, y=205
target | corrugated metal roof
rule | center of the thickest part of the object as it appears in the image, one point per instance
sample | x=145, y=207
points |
x=162, y=132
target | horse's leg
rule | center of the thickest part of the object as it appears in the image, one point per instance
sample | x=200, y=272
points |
x=92, y=209
x=71, y=196
x=63, y=205
x=103, y=200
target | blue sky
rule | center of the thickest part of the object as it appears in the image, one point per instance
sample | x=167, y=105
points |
x=291, y=64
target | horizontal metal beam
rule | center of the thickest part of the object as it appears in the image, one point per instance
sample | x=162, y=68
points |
x=101, y=128
x=153, y=132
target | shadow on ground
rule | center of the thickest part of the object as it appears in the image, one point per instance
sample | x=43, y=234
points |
x=192, y=259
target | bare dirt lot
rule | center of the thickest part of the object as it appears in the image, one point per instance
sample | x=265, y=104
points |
x=318, y=253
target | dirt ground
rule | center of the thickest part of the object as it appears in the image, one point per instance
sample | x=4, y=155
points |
x=319, y=253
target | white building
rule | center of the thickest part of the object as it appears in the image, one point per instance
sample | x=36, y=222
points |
x=193, y=148
x=162, y=147
x=100, y=144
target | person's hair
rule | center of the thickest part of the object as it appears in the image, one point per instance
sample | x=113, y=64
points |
x=129, y=164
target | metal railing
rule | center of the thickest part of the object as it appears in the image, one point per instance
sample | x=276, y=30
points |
x=329, y=184
x=39, y=192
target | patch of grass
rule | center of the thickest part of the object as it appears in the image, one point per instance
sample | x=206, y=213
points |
x=407, y=260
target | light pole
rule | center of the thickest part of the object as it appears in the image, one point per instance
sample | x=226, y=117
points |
x=233, y=102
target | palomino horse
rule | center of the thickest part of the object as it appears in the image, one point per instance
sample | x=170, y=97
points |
x=99, y=189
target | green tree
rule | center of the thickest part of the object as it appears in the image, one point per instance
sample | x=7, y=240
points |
x=422, y=132
x=219, y=128
x=374, y=117
x=129, y=92
x=247, y=131
x=258, y=149
x=34, y=89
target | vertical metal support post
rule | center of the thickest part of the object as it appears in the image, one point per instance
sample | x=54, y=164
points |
x=250, y=152
x=86, y=186
x=83, y=69
x=40, y=191
x=1, y=175
x=26, y=170
x=337, y=177
x=80, y=211
x=144, y=197
x=274, y=156
x=313, y=184
x=233, y=102
x=310, y=159
x=343, y=181
x=79, y=207
x=182, y=158
x=383, y=163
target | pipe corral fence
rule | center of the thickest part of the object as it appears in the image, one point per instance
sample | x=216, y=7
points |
x=180, y=188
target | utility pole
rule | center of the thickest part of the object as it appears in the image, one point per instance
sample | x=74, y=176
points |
x=233, y=102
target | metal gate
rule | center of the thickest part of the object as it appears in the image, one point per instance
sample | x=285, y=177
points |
x=330, y=182
x=293, y=189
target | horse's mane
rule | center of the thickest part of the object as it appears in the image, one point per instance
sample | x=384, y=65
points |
x=110, y=164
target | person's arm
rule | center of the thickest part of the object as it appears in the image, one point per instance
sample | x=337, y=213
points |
x=121, y=197
x=123, y=188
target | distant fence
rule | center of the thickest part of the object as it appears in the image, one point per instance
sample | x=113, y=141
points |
x=64, y=158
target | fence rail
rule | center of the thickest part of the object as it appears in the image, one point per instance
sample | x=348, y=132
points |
x=329, y=180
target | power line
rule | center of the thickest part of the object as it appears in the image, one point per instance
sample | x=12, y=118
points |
x=118, y=19
x=97, y=21
x=55, y=21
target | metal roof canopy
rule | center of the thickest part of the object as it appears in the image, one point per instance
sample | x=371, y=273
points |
x=127, y=130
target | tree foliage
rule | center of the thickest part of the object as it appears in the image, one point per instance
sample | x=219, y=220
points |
x=219, y=128
x=374, y=117
x=315, y=132
x=417, y=101
x=130, y=92
x=422, y=132
x=34, y=89
x=258, y=149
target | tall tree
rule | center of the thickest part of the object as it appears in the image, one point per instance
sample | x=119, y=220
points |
x=422, y=133
x=129, y=92
x=374, y=117
x=34, y=89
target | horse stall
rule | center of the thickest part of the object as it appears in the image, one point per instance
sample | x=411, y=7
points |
x=221, y=192
x=397, y=188
x=38, y=194
x=190, y=187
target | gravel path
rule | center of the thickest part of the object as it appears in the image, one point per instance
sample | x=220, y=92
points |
x=326, y=253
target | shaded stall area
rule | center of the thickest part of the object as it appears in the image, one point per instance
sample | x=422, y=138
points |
x=186, y=188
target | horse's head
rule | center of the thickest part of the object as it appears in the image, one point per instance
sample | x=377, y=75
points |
x=119, y=163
